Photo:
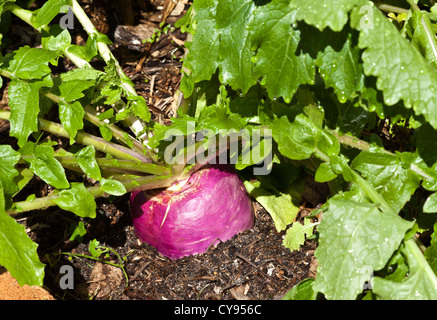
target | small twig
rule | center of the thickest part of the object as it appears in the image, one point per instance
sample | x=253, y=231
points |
x=390, y=8
x=239, y=255
x=139, y=271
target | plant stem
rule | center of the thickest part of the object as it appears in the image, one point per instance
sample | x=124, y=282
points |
x=132, y=122
x=119, y=165
x=145, y=183
x=415, y=253
x=117, y=133
x=365, y=146
x=86, y=139
x=90, y=115
x=121, y=266
x=26, y=16
x=390, y=8
x=373, y=195
x=135, y=124
x=427, y=27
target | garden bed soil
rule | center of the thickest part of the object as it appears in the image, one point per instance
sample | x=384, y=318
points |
x=252, y=265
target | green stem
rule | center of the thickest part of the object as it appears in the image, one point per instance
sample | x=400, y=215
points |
x=373, y=195
x=90, y=115
x=86, y=139
x=390, y=8
x=427, y=27
x=121, y=266
x=365, y=146
x=145, y=183
x=119, y=165
x=416, y=254
x=26, y=16
x=135, y=124
x=117, y=133
x=132, y=122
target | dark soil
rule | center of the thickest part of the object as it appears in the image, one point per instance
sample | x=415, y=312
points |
x=253, y=265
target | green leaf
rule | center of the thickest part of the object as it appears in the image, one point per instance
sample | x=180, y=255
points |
x=71, y=116
x=23, y=179
x=78, y=200
x=296, y=234
x=235, y=49
x=24, y=103
x=87, y=52
x=31, y=63
x=82, y=74
x=427, y=143
x=95, y=249
x=266, y=30
x=279, y=63
x=48, y=11
x=354, y=240
x=8, y=159
x=139, y=108
x=280, y=206
x=325, y=13
x=430, y=205
x=219, y=118
x=73, y=89
x=87, y=162
x=388, y=175
x=402, y=72
x=424, y=36
x=341, y=69
x=301, y=138
x=113, y=187
x=431, y=252
x=203, y=55
x=324, y=173
x=78, y=232
x=419, y=284
x=18, y=252
x=302, y=291
x=44, y=165
x=105, y=131
x=56, y=39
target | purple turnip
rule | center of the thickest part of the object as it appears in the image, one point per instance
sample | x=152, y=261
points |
x=212, y=205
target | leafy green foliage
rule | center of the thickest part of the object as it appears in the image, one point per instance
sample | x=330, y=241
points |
x=415, y=285
x=34, y=93
x=323, y=77
x=296, y=235
x=402, y=72
x=48, y=11
x=355, y=239
x=43, y=164
x=78, y=200
x=332, y=89
x=330, y=13
x=18, y=252
x=9, y=158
